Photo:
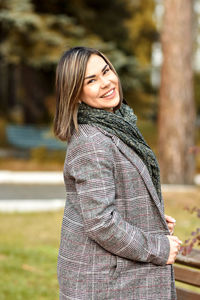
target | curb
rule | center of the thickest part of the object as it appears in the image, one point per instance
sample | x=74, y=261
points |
x=15, y=177
x=31, y=205
x=37, y=177
x=56, y=178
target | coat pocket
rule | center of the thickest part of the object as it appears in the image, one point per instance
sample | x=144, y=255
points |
x=124, y=265
x=118, y=268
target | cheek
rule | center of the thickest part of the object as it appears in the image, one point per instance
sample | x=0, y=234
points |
x=91, y=91
x=115, y=80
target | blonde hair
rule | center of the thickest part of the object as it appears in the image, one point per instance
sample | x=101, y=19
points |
x=70, y=74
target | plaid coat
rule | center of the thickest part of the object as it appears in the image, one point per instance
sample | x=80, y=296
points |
x=113, y=238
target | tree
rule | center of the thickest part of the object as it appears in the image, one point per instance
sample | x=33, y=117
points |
x=31, y=44
x=142, y=29
x=176, y=107
x=35, y=33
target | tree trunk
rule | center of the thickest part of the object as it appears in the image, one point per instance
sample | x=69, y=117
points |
x=176, y=107
x=34, y=93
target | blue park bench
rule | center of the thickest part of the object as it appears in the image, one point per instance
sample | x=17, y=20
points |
x=28, y=137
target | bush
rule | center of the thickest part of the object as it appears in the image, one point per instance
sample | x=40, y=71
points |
x=42, y=154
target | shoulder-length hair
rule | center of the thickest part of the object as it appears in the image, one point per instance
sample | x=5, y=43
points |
x=70, y=74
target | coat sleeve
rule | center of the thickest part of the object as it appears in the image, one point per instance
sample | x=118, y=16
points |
x=92, y=167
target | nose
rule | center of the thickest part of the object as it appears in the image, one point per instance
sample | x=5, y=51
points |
x=104, y=82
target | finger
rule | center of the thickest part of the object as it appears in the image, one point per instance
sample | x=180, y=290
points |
x=176, y=239
x=173, y=238
x=170, y=219
x=172, y=261
x=171, y=231
x=171, y=226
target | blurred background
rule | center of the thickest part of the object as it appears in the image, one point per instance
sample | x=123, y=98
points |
x=34, y=35
x=155, y=48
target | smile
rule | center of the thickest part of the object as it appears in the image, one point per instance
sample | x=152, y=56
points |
x=108, y=93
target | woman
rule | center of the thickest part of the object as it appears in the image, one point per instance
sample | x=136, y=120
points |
x=115, y=240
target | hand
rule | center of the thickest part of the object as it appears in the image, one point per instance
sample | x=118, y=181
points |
x=171, y=222
x=175, y=244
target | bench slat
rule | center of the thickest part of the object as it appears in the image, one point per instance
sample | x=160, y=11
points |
x=183, y=294
x=187, y=276
x=192, y=259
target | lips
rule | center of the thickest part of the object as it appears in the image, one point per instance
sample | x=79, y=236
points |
x=108, y=93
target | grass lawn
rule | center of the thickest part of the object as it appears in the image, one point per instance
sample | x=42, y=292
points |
x=28, y=253
x=175, y=202
x=29, y=245
x=185, y=221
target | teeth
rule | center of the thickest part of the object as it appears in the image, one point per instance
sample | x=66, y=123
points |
x=109, y=93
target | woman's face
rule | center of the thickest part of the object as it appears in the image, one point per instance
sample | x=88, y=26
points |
x=101, y=85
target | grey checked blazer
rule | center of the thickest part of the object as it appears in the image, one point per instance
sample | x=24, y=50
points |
x=113, y=238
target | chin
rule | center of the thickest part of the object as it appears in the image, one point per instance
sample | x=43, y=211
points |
x=116, y=103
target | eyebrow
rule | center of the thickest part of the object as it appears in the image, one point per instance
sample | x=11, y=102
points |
x=92, y=76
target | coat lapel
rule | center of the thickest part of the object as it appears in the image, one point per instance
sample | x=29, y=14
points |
x=142, y=169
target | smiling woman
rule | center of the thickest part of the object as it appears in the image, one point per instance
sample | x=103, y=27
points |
x=100, y=90
x=83, y=74
x=116, y=242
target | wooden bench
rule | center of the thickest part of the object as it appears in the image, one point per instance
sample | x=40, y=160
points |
x=187, y=275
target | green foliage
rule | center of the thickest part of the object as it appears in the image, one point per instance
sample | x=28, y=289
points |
x=36, y=39
x=35, y=33
x=102, y=17
x=142, y=29
x=39, y=38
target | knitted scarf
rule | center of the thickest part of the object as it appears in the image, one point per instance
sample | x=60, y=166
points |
x=122, y=123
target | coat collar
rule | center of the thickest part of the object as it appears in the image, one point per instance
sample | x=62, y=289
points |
x=142, y=169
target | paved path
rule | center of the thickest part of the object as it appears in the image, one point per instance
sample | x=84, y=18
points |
x=31, y=191
x=34, y=191
x=44, y=191
x=30, y=198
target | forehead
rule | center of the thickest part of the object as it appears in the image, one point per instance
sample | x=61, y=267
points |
x=95, y=64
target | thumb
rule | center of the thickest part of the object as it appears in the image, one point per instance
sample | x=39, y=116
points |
x=170, y=219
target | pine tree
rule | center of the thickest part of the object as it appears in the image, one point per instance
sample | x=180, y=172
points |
x=35, y=33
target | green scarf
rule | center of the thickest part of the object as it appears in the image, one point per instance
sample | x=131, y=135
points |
x=122, y=123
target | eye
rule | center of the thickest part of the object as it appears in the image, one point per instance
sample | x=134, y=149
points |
x=106, y=70
x=90, y=81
